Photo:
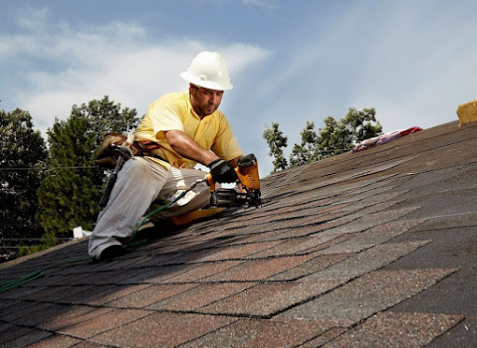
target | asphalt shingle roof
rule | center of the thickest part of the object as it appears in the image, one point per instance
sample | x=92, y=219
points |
x=371, y=249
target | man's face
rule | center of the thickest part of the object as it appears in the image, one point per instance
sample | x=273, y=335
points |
x=205, y=101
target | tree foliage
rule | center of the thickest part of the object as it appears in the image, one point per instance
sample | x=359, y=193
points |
x=276, y=141
x=23, y=157
x=70, y=194
x=360, y=125
x=305, y=151
x=106, y=116
x=337, y=136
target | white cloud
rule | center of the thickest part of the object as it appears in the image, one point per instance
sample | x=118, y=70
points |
x=265, y=4
x=262, y=4
x=118, y=60
x=32, y=18
x=416, y=70
x=410, y=61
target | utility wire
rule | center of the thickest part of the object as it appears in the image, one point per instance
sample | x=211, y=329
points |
x=12, y=247
x=40, y=169
x=2, y=239
x=88, y=167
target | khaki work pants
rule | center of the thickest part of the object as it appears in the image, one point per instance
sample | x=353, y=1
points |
x=141, y=182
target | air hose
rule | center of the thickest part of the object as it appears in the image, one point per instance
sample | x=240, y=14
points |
x=34, y=275
x=131, y=242
x=37, y=274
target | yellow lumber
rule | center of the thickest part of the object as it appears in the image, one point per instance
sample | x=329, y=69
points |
x=467, y=112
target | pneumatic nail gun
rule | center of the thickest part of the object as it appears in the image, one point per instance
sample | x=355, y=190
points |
x=247, y=191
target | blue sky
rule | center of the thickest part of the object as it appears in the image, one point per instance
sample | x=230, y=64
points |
x=291, y=62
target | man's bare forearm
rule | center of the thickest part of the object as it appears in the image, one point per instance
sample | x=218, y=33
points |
x=188, y=147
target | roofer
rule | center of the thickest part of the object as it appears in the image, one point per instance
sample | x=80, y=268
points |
x=186, y=126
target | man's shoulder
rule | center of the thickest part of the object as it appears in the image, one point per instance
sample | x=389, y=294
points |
x=176, y=95
x=173, y=98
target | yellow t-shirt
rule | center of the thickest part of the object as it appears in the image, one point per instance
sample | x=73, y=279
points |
x=174, y=111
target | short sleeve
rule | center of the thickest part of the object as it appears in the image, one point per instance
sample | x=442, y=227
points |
x=164, y=116
x=225, y=145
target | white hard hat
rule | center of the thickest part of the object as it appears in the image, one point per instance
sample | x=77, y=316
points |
x=208, y=70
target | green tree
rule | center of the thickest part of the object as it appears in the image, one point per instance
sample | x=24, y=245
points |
x=70, y=194
x=276, y=141
x=361, y=125
x=104, y=116
x=341, y=136
x=305, y=152
x=23, y=157
x=334, y=138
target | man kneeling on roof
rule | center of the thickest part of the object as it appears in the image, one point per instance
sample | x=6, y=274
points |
x=186, y=126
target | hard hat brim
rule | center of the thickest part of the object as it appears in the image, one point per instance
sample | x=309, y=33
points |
x=222, y=86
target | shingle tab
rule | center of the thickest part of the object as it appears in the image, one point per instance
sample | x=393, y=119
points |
x=162, y=330
x=259, y=333
x=403, y=330
x=369, y=294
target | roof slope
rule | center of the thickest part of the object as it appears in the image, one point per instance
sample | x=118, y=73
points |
x=372, y=249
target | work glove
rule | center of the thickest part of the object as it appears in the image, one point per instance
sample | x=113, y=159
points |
x=222, y=171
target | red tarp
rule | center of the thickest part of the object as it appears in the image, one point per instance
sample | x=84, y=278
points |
x=384, y=138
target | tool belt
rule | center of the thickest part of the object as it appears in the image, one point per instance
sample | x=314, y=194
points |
x=107, y=158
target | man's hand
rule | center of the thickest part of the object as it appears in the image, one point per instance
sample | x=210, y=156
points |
x=222, y=171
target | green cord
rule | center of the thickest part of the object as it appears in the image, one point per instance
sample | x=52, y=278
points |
x=34, y=275
x=37, y=274
x=133, y=235
x=130, y=243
